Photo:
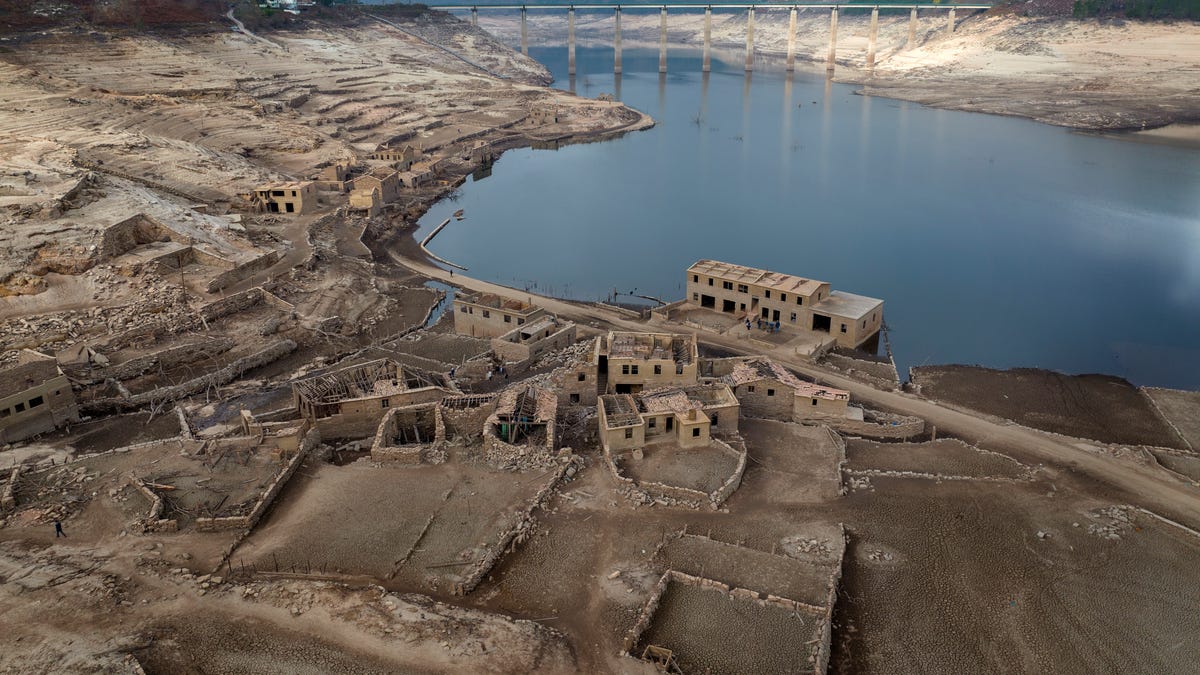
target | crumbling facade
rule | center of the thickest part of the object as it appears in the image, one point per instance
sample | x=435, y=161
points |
x=766, y=389
x=368, y=201
x=350, y=402
x=525, y=343
x=803, y=304
x=491, y=315
x=400, y=159
x=522, y=428
x=629, y=362
x=410, y=435
x=334, y=177
x=35, y=397
x=685, y=416
x=381, y=178
x=294, y=197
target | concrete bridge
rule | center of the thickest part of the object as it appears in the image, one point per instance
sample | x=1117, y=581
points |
x=708, y=9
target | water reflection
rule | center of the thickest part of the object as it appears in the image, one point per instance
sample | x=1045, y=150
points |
x=993, y=240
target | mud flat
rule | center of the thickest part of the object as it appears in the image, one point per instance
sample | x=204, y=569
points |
x=1181, y=410
x=1097, y=407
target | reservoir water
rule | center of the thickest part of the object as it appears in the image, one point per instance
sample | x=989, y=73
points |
x=994, y=241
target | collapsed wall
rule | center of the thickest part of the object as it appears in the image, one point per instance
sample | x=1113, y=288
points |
x=874, y=424
x=413, y=434
x=216, y=378
x=311, y=439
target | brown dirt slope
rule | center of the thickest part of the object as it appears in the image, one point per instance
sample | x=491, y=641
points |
x=1098, y=407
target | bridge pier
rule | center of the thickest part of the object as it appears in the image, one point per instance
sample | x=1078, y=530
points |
x=950, y=23
x=662, y=40
x=571, y=41
x=912, y=29
x=871, y=37
x=829, y=62
x=524, y=35
x=475, y=17
x=750, y=39
x=707, y=65
x=791, y=48
x=617, y=42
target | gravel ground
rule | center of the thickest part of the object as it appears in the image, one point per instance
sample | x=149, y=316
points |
x=704, y=469
x=1182, y=410
x=710, y=632
x=945, y=456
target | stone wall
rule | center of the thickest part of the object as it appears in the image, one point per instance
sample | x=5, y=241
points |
x=206, y=257
x=821, y=658
x=153, y=521
x=8, y=499
x=516, y=533
x=166, y=358
x=120, y=238
x=570, y=387
x=674, y=495
x=242, y=271
x=523, y=353
x=876, y=424
x=761, y=403
x=384, y=450
x=216, y=378
x=879, y=374
x=311, y=439
x=467, y=423
x=360, y=418
x=718, y=496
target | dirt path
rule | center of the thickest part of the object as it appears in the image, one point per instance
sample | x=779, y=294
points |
x=1154, y=490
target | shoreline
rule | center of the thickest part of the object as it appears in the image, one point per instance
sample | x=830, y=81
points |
x=1080, y=74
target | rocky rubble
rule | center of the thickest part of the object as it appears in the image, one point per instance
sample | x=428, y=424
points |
x=156, y=306
x=1112, y=522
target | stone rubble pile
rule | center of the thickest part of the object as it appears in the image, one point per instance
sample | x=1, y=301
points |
x=1114, y=521
x=796, y=545
x=156, y=306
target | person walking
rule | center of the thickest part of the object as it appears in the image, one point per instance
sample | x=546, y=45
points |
x=58, y=531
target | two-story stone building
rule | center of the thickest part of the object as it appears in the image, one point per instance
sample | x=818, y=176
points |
x=795, y=302
x=35, y=397
x=491, y=315
x=295, y=197
x=382, y=178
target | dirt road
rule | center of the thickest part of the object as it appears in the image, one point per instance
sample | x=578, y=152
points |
x=1156, y=491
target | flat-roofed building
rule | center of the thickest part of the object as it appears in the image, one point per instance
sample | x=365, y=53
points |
x=525, y=343
x=294, y=197
x=795, y=302
x=491, y=315
x=35, y=397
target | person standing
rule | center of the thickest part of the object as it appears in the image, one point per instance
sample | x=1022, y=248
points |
x=58, y=531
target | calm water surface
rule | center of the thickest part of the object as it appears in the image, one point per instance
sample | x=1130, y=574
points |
x=993, y=240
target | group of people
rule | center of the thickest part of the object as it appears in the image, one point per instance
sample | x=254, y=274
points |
x=501, y=370
x=772, y=326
